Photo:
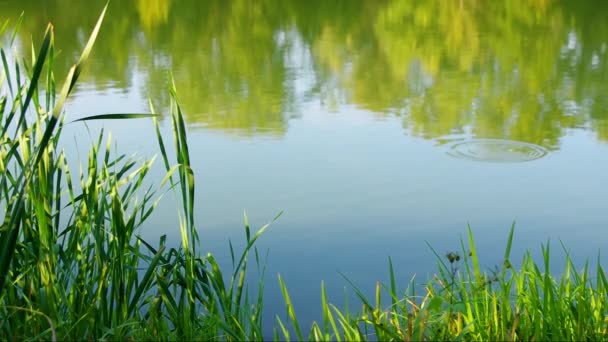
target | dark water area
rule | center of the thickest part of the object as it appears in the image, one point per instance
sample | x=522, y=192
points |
x=375, y=126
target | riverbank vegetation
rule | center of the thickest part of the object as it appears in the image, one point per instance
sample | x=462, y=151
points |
x=73, y=265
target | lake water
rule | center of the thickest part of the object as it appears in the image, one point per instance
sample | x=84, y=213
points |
x=375, y=126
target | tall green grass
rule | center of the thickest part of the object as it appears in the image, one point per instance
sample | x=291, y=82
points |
x=463, y=302
x=73, y=265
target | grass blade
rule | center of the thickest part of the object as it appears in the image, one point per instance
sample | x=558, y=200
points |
x=17, y=27
x=116, y=116
x=290, y=310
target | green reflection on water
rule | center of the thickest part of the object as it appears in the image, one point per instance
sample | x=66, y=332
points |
x=520, y=70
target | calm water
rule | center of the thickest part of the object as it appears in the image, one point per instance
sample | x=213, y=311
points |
x=376, y=126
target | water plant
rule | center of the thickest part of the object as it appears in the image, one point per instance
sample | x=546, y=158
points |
x=72, y=262
x=463, y=302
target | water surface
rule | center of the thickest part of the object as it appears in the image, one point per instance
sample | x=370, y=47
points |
x=376, y=126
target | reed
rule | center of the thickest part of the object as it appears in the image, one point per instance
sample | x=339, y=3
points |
x=72, y=262
x=464, y=302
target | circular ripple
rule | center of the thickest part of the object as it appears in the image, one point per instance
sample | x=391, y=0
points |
x=497, y=150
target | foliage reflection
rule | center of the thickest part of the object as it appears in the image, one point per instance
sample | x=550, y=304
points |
x=524, y=70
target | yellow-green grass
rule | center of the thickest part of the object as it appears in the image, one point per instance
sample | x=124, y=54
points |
x=72, y=264
x=464, y=303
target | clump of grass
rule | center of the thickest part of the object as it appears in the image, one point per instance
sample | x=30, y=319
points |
x=72, y=264
x=465, y=303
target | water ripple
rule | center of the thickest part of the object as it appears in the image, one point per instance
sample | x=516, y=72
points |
x=496, y=150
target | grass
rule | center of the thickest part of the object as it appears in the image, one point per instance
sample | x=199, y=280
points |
x=464, y=303
x=73, y=265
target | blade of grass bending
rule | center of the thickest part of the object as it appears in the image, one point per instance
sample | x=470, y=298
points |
x=168, y=176
x=247, y=228
x=442, y=265
x=474, y=258
x=18, y=80
x=260, y=295
x=602, y=279
x=547, y=293
x=9, y=241
x=2, y=104
x=250, y=244
x=159, y=137
x=217, y=281
x=187, y=174
x=290, y=310
x=393, y=286
x=315, y=333
x=71, y=79
x=87, y=49
x=9, y=117
x=116, y=116
x=50, y=79
x=507, y=262
x=16, y=29
x=4, y=25
x=284, y=330
x=239, y=291
x=357, y=291
x=167, y=298
x=7, y=73
x=328, y=318
x=349, y=331
x=506, y=285
x=229, y=330
x=37, y=71
x=146, y=279
x=149, y=247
